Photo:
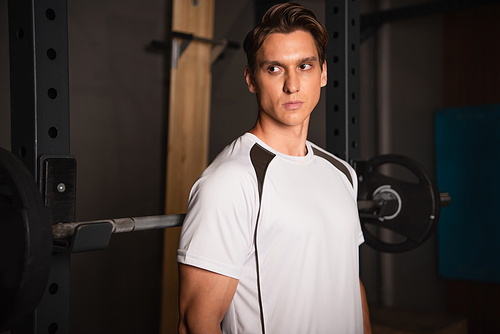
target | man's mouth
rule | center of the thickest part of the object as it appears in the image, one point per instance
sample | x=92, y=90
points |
x=292, y=105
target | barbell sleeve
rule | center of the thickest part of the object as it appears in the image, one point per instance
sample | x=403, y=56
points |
x=445, y=199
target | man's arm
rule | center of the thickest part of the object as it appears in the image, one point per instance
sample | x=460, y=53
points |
x=366, y=313
x=204, y=298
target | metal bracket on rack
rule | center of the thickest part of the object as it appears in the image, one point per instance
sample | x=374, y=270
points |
x=180, y=41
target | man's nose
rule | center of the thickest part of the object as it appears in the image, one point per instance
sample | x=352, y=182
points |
x=292, y=83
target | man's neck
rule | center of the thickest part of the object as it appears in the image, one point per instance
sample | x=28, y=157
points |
x=289, y=140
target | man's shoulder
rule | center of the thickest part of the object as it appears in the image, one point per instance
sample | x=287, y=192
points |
x=335, y=161
x=321, y=152
x=229, y=178
x=233, y=161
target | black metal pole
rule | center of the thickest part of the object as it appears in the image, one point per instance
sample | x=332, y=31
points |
x=38, y=46
x=343, y=89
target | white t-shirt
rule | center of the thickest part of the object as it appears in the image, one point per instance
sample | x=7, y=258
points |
x=292, y=242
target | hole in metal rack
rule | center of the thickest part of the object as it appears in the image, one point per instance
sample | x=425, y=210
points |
x=53, y=327
x=22, y=152
x=52, y=93
x=20, y=33
x=53, y=132
x=50, y=14
x=336, y=59
x=336, y=132
x=336, y=108
x=51, y=54
x=195, y=3
x=53, y=288
x=335, y=10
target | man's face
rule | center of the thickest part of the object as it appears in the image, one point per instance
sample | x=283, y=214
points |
x=288, y=79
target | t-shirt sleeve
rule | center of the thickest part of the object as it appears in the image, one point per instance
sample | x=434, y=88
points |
x=361, y=238
x=217, y=234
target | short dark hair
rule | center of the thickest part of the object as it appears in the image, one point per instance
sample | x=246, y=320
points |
x=284, y=19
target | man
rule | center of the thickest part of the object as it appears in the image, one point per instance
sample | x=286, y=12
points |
x=270, y=242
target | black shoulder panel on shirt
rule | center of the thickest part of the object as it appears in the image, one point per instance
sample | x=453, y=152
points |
x=260, y=158
x=340, y=166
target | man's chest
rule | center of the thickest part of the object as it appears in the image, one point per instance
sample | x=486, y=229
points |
x=303, y=202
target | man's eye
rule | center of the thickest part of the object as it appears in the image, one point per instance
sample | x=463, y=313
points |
x=305, y=66
x=273, y=69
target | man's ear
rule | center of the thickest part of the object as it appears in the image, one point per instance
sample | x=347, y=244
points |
x=324, y=76
x=249, y=78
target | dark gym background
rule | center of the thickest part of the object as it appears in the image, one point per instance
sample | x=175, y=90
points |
x=118, y=124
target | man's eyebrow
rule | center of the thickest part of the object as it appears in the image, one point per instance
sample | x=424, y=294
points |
x=308, y=60
x=266, y=63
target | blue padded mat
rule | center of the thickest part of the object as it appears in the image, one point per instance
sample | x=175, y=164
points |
x=468, y=167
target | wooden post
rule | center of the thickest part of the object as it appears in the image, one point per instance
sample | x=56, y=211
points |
x=189, y=111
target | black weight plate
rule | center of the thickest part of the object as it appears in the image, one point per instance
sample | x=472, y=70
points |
x=413, y=219
x=420, y=204
x=25, y=242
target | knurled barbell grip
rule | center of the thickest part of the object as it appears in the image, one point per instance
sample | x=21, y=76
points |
x=158, y=222
x=122, y=225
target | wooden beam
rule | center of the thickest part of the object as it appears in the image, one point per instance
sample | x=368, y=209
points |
x=189, y=114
